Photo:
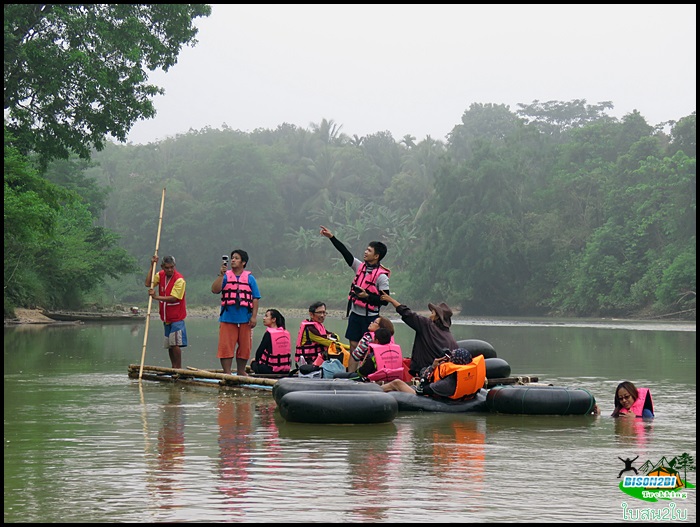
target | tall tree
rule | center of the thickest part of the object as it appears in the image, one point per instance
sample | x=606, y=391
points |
x=75, y=73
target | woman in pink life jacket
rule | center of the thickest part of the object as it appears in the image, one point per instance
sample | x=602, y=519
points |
x=384, y=361
x=357, y=355
x=274, y=354
x=631, y=401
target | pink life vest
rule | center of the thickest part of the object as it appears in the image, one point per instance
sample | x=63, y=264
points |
x=368, y=282
x=279, y=357
x=306, y=347
x=237, y=291
x=389, y=361
x=638, y=407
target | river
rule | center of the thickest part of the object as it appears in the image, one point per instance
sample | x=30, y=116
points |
x=84, y=443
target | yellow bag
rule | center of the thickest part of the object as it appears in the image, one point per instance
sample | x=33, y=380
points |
x=337, y=351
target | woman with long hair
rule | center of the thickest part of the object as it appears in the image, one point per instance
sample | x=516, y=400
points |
x=631, y=401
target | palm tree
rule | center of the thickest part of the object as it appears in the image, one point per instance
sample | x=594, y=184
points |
x=409, y=141
x=328, y=132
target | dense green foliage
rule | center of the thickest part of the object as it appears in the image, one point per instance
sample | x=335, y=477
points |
x=54, y=251
x=573, y=213
x=74, y=74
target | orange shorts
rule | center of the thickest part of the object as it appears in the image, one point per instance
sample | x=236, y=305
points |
x=231, y=335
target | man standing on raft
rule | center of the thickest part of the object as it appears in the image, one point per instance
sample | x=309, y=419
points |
x=371, y=280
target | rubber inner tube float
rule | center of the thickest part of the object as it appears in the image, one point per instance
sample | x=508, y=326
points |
x=478, y=347
x=338, y=407
x=301, y=384
x=497, y=368
x=409, y=402
x=540, y=400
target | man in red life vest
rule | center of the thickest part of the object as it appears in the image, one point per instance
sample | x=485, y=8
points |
x=172, y=305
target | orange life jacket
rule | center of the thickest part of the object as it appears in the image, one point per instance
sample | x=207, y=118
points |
x=470, y=377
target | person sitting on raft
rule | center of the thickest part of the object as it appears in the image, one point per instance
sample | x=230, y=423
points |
x=314, y=339
x=384, y=360
x=433, y=334
x=358, y=354
x=274, y=354
x=632, y=402
x=456, y=376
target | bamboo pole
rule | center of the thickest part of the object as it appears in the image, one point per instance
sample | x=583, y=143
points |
x=205, y=374
x=153, y=275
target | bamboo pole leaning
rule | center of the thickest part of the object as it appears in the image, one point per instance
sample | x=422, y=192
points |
x=153, y=275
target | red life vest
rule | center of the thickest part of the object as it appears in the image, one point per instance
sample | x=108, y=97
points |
x=279, y=357
x=237, y=291
x=640, y=403
x=389, y=360
x=367, y=281
x=170, y=311
x=470, y=377
x=305, y=346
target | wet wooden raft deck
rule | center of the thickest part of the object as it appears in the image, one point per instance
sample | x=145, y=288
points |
x=213, y=378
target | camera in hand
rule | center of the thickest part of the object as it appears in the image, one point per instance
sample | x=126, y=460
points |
x=224, y=258
x=356, y=289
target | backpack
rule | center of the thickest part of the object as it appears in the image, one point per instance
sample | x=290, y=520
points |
x=330, y=367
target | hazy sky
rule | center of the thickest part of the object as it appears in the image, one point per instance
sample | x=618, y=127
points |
x=415, y=69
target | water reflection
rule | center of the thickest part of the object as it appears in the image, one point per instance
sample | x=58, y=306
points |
x=171, y=450
x=458, y=450
x=272, y=458
x=371, y=463
x=633, y=431
x=235, y=444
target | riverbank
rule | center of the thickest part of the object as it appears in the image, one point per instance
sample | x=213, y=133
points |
x=35, y=316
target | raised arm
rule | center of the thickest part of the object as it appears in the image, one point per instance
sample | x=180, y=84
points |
x=217, y=284
x=386, y=298
x=347, y=255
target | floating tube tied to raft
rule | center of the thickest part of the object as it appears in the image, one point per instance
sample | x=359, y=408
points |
x=497, y=368
x=409, y=402
x=478, y=347
x=295, y=384
x=540, y=400
x=338, y=407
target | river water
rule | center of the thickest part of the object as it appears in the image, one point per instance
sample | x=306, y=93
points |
x=84, y=443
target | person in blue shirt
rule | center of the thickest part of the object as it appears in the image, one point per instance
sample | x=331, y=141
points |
x=239, y=312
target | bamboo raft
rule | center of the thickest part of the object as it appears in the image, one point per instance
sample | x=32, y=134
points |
x=213, y=378
x=197, y=377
